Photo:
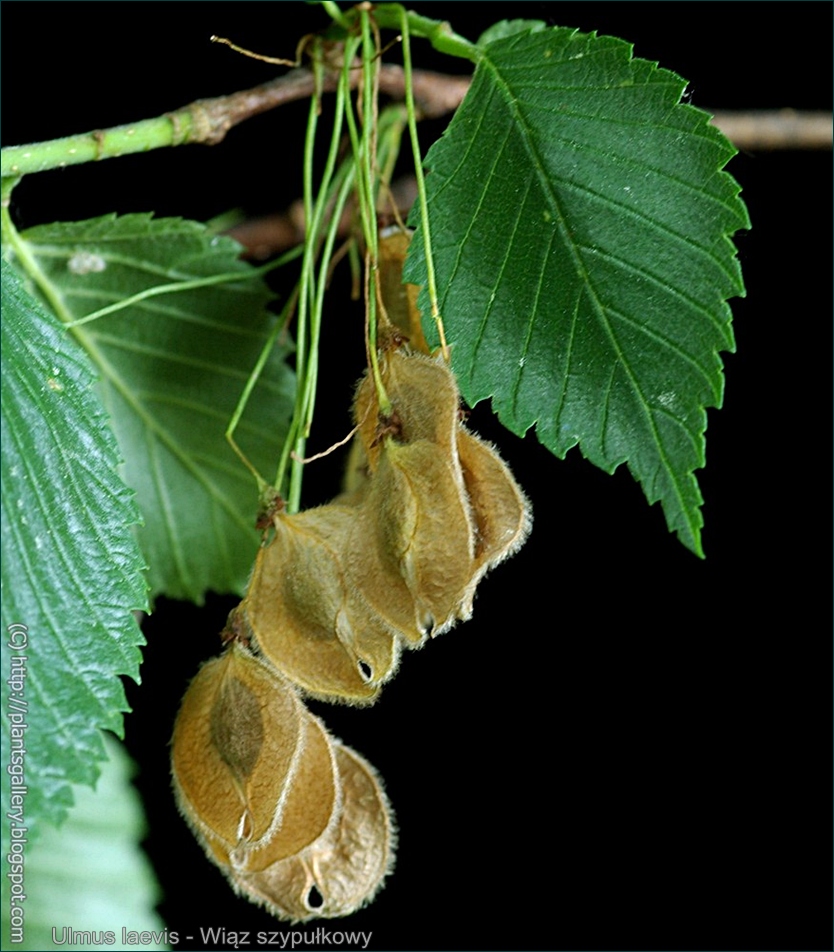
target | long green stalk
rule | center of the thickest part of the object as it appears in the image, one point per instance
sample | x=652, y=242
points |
x=421, y=184
x=307, y=351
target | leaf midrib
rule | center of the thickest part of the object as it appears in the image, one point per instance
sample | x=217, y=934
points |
x=526, y=140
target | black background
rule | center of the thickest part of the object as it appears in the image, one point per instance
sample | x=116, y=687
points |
x=627, y=747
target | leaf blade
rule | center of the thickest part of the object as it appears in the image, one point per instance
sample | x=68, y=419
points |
x=172, y=369
x=595, y=210
x=71, y=569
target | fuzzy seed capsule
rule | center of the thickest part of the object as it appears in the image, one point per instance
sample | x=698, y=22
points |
x=425, y=406
x=500, y=511
x=412, y=541
x=237, y=744
x=304, y=617
x=345, y=867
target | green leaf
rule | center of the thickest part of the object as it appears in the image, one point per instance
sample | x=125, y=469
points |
x=91, y=876
x=172, y=369
x=581, y=231
x=505, y=28
x=70, y=565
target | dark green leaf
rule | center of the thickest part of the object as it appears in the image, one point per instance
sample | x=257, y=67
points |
x=71, y=568
x=581, y=229
x=172, y=369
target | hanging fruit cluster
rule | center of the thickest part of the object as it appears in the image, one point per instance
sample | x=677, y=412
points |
x=283, y=808
x=296, y=820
